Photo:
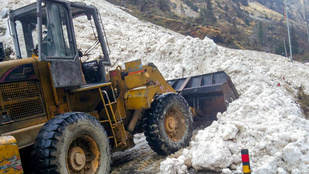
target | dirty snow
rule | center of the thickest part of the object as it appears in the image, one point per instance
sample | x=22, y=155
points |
x=266, y=119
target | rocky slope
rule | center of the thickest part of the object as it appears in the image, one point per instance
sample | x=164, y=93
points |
x=254, y=24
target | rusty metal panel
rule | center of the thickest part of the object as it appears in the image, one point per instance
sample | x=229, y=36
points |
x=134, y=66
x=67, y=73
x=57, y=110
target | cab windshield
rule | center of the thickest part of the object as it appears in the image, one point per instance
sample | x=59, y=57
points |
x=57, y=33
x=57, y=39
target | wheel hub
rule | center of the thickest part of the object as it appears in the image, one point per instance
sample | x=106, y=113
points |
x=174, y=124
x=77, y=158
x=170, y=124
x=83, y=155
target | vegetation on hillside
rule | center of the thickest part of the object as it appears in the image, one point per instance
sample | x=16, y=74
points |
x=231, y=23
x=303, y=100
x=191, y=5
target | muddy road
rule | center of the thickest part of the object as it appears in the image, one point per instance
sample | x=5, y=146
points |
x=141, y=159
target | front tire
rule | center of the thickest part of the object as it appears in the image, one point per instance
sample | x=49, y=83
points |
x=72, y=143
x=168, y=124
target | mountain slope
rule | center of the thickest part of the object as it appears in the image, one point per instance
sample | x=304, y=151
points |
x=257, y=25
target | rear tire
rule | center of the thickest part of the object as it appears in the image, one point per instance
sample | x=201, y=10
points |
x=168, y=124
x=71, y=143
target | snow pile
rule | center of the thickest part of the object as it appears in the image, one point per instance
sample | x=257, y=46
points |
x=266, y=119
x=5, y=5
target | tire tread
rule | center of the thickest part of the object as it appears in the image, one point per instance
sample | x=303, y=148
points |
x=151, y=121
x=48, y=137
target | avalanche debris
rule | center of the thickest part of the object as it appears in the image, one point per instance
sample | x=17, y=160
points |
x=266, y=119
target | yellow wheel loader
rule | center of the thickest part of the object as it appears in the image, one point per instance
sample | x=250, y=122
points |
x=59, y=114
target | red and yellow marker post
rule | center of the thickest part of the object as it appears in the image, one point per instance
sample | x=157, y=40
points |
x=245, y=161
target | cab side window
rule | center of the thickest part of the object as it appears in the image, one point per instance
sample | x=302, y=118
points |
x=57, y=38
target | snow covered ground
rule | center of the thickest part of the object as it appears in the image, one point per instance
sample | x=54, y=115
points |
x=266, y=119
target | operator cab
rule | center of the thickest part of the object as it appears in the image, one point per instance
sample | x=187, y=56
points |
x=45, y=29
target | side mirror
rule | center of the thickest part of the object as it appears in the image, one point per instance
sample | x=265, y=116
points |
x=5, y=13
x=2, y=55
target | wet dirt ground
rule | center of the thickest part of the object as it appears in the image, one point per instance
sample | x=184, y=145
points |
x=141, y=159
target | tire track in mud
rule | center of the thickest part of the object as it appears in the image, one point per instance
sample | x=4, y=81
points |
x=142, y=159
x=139, y=159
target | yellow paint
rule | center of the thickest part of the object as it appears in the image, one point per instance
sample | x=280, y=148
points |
x=95, y=114
x=135, y=88
x=138, y=88
x=45, y=79
x=54, y=89
x=140, y=98
x=90, y=87
x=135, y=80
x=26, y=136
x=9, y=156
x=246, y=169
x=157, y=78
x=60, y=109
x=7, y=65
x=135, y=65
x=121, y=108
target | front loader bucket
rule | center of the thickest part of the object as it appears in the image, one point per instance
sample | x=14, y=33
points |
x=208, y=94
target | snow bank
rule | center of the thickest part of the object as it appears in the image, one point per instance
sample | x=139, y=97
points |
x=9, y=4
x=266, y=119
